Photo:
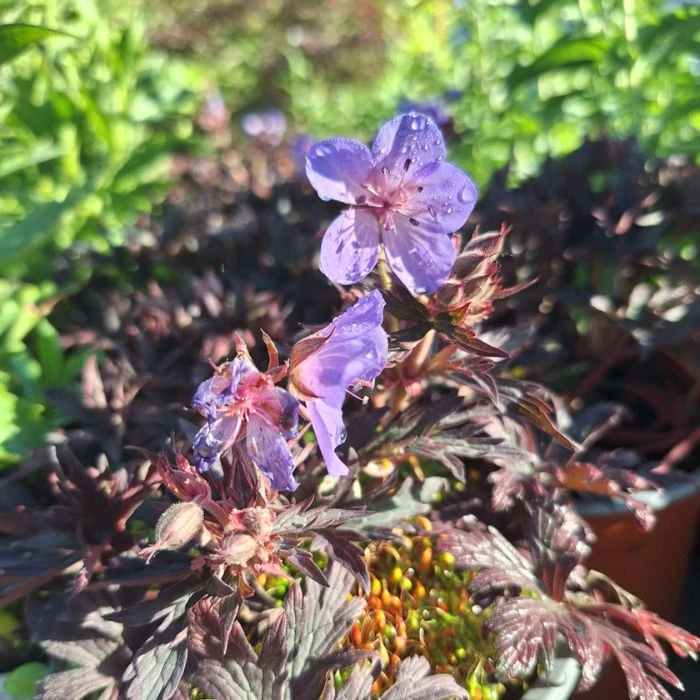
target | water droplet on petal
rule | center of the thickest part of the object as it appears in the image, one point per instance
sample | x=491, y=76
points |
x=466, y=195
x=342, y=435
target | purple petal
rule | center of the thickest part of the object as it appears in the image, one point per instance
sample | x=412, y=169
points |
x=356, y=348
x=289, y=418
x=268, y=448
x=350, y=246
x=421, y=261
x=445, y=200
x=338, y=168
x=365, y=315
x=327, y=422
x=216, y=392
x=212, y=439
x=406, y=144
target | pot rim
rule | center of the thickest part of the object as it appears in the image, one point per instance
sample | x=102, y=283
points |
x=656, y=499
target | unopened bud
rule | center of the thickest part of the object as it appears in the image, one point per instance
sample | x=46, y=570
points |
x=177, y=526
x=258, y=520
x=239, y=549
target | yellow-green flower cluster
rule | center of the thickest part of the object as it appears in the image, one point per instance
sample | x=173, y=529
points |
x=419, y=604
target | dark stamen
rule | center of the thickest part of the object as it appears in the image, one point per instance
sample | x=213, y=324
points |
x=385, y=171
x=407, y=164
x=413, y=222
x=361, y=199
x=420, y=188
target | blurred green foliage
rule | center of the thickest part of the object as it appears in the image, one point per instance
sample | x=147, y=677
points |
x=536, y=77
x=96, y=94
x=88, y=117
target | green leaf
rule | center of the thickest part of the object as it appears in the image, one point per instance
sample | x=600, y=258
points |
x=21, y=683
x=570, y=52
x=15, y=38
x=531, y=10
x=36, y=228
x=19, y=158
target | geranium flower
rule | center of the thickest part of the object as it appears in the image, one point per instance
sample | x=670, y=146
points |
x=402, y=196
x=239, y=401
x=351, y=350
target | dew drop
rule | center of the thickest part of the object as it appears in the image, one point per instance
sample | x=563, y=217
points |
x=325, y=197
x=342, y=435
x=466, y=195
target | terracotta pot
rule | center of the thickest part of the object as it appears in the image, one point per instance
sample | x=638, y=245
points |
x=653, y=564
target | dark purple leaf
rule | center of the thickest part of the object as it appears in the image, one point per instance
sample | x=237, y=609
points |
x=410, y=499
x=344, y=550
x=273, y=659
x=413, y=682
x=240, y=674
x=227, y=610
x=168, y=599
x=500, y=565
x=359, y=685
x=317, y=621
x=158, y=665
x=304, y=562
x=73, y=684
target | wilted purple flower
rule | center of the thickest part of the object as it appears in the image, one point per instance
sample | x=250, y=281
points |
x=432, y=110
x=270, y=125
x=402, y=195
x=351, y=350
x=240, y=400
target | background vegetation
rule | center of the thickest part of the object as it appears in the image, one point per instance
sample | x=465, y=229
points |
x=90, y=116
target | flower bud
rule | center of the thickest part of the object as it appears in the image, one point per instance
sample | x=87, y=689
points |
x=177, y=526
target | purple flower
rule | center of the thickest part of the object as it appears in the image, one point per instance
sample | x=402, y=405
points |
x=401, y=193
x=239, y=401
x=352, y=349
x=432, y=110
x=269, y=125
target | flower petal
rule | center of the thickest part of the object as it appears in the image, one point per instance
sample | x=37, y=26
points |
x=216, y=392
x=268, y=448
x=338, y=168
x=327, y=422
x=407, y=143
x=212, y=439
x=356, y=348
x=350, y=246
x=422, y=261
x=444, y=201
x=289, y=413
